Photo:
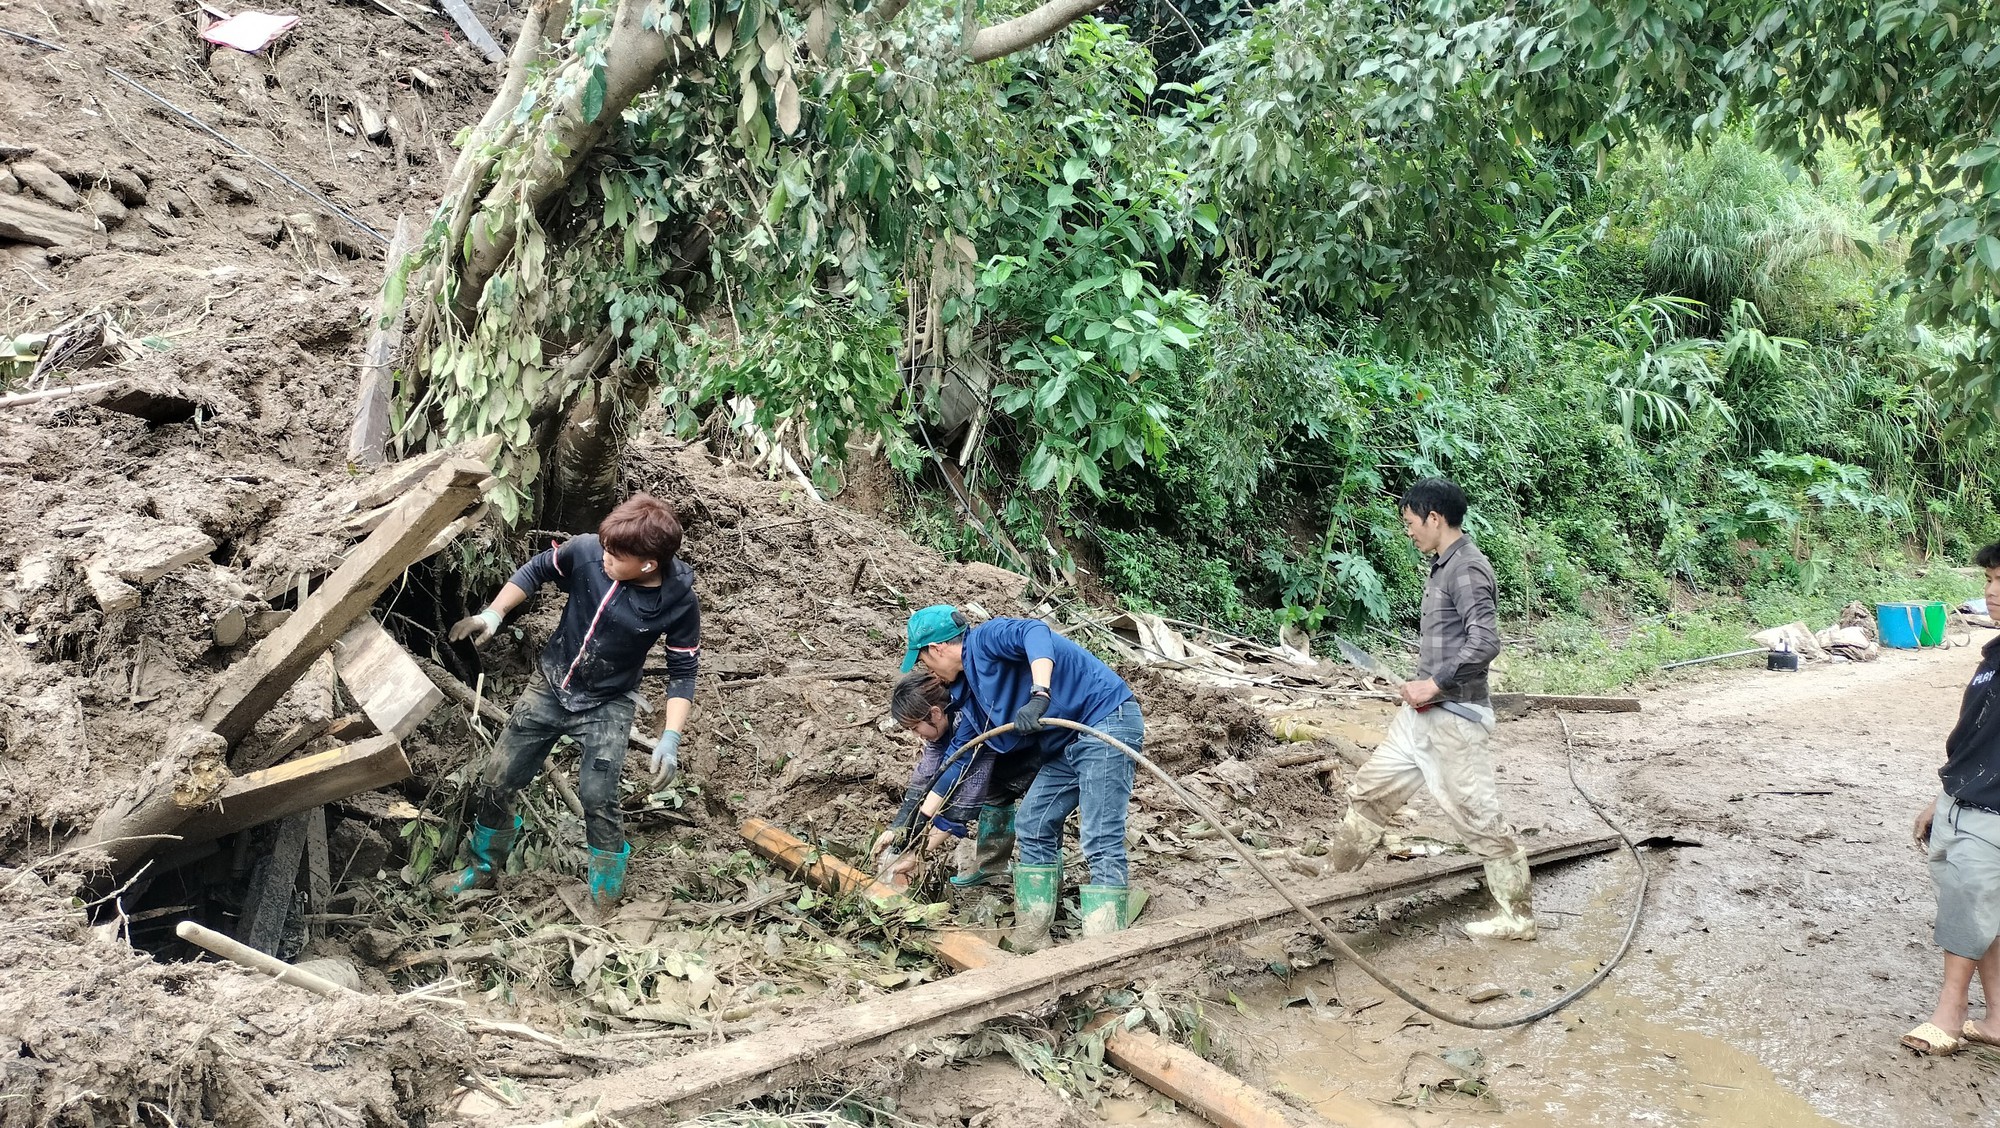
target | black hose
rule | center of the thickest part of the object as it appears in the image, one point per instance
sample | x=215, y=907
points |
x=1326, y=931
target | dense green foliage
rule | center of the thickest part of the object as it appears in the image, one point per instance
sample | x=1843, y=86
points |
x=1215, y=288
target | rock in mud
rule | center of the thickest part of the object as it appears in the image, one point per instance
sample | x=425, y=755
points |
x=231, y=188
x=43, y=181
x=128, y=187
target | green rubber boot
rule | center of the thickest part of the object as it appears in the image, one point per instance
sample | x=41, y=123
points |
x=1034, y=906
x=488, y=847
x=1106, y=909
x=607, y=874
x=993, y=848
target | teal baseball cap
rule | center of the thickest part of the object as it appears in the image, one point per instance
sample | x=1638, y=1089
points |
x=936, y=623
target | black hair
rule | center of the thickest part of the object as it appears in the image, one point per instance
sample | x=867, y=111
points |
x=915, y=695
x=1436, y=495
x=1988, y=557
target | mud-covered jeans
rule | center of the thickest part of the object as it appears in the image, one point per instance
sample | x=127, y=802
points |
x=539, y=720
x=1448, y=755
x=1095, y=779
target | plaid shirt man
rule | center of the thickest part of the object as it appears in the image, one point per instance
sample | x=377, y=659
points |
x=1460, y=634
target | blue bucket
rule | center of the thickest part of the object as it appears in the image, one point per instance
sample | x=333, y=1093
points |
x=1900, y=624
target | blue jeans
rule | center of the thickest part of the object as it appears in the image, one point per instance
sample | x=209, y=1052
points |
x=1091, y=776
x=539, y=720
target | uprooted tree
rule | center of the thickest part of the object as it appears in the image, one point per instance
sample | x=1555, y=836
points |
x=801, y=215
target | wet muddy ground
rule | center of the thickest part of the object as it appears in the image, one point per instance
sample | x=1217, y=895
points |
x=1776, y=966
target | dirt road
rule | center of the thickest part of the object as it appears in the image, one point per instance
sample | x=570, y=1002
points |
x=1778, y=963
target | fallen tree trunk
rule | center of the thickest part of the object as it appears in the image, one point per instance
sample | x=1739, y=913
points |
x=784, y=1056
x=191, y=774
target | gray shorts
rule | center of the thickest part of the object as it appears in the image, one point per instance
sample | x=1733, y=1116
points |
x=1965, y=863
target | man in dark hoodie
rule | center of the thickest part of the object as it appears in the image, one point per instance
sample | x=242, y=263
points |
x=626, y=589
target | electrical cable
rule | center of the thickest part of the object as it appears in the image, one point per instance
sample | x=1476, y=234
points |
x=274, y=170
x=1326, y=931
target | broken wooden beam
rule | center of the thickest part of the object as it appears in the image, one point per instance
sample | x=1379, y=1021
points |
x=299, y=785
x=267, y=905
x=191, y=774
x=384, y=679
x=1212, y=1092
x=1517, y=704
x=1219, y=1096
x=249, y=688
x=368, y=438
x=961, y=950
x=475, y=32
x=784, y=1056
x=319, y=872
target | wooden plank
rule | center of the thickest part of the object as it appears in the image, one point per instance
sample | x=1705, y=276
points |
x=1515, y=704
x=474, y=30
x=384, y=679
x=368, y=437
x=252, y=686
x=961, y=950
x=319, y=872
x=267, y=907
x=1218, y=1095
x=143, y=819
x=780, y=1057
x=299, y=785
x=1211, y=1092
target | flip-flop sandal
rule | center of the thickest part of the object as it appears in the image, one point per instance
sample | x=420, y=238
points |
x=1971, y=1034
x=1929, y=1039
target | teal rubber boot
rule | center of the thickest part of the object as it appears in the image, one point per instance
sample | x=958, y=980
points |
x=992, y=849
x=1035, y=890
x=607, y=874
x=1106, y=909
x=488, y=847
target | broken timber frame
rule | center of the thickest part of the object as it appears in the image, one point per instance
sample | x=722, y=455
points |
x=298, y=785
x=251, y=687
x=785, y=1056
x=1217, y=1095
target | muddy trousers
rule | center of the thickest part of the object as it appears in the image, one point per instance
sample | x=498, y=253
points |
x=539, y=721
x=1093, y=779
x=1449, y=756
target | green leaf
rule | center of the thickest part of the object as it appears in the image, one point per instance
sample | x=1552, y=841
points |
x=1060, y=196
x=1544, y=59
x=1130, y=281
x=593, y=94
x=1989, y=252
x=1958, y=231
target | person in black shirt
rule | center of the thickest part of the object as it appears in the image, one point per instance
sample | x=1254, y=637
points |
x=1960, y=831
x=627, y=589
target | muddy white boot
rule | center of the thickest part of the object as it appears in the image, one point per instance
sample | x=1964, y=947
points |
x=1351, y=842
x=1507, y=879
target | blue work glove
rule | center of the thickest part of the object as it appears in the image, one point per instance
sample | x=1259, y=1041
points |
x=1028, y=718
x=666, y=758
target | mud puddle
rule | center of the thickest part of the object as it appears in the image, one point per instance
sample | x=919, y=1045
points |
x=1334, y=1040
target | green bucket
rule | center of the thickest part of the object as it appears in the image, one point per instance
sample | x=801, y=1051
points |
x=1933, y=633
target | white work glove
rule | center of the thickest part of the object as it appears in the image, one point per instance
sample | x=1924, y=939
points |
x=478, y=627
x=666, y=758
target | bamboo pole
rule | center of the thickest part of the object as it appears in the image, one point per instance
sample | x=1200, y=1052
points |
x=246, y=956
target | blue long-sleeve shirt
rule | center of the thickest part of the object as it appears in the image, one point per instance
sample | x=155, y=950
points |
x=996, y=681
x=598, y=651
